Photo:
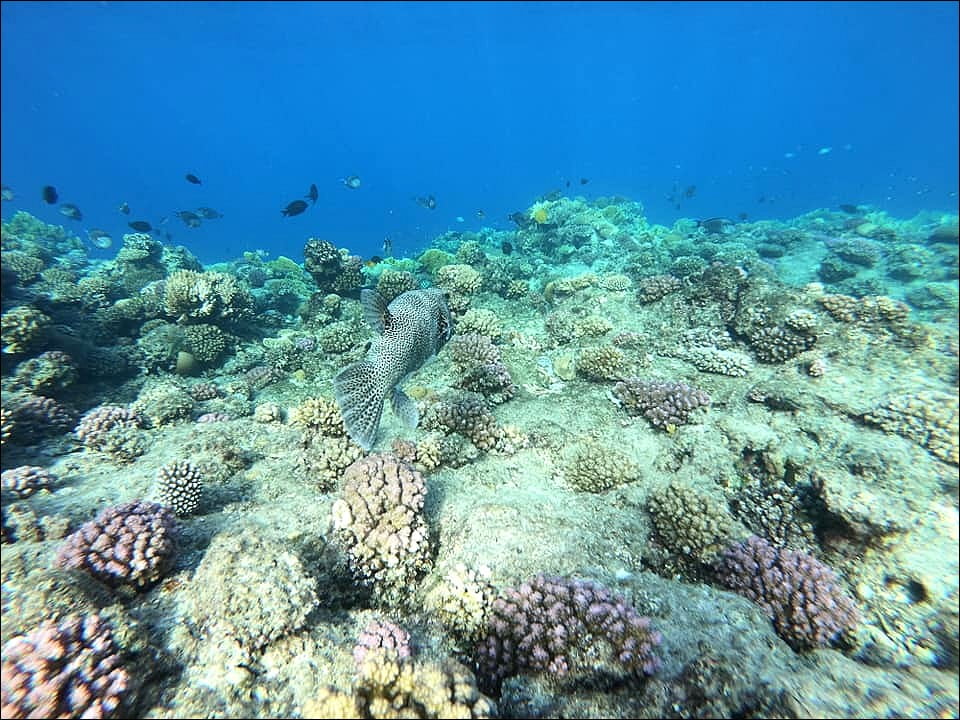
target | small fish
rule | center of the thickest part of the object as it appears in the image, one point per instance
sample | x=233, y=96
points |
x=481, y=214
x=100, y=238
x=825, y=151
x=742, y=216
x=789, y=155
x=460, y=219
x=140, y=226
x=520, y=219
x=124, y=208
x=208, y=213
x=373, y=261
x=584, y=181
x=189, y=219
x=689, y=191
x=387, y=246
x=191, y=178
x=849, y=209
x=412, y=328
x=429, y=202
x=49, y=195
x=506, y=247
x=714, y=226
x=71, y=211
x=6, y=193
x=351, y=181
x=294, y=208
x=313, y=194
x=568, y=183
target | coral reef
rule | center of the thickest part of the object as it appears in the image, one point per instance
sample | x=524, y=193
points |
x=212, y=297
x=387, y=687
x=801, y=595
x=179, y=486
x=665, y=404
x=68, y=669
x=112, y=430
x=250, y=590
x=130, y=545
x=595, y=467
x=380, y=522
x=22, y=482
x=693, y=526
x=381, y=636
x=930, y=419
x=539, y=624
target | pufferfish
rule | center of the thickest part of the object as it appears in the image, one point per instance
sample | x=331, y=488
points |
x=412, y=329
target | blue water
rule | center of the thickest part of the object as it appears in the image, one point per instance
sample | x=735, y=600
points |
x=769, y=109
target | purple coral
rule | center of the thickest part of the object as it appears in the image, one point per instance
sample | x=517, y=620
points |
x=665, y=404
x=35, y=415
x=127, y=545
x=95, y=426
x=22, y=482
x=70, y=669
x=801, y=595
x=536, y=626
x=480, y=366
x=382, y=635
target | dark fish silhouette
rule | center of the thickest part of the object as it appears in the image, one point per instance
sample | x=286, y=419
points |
x=208, y=213
x=507, y=247
x=294, y=208
x=313, y=194
x=352, y=181
x=689, y=191
x=849, y=209
x=584, y=181
x=481, y=214
x=100, y=238
x=50, y=195
x=521, y=219
x=387, y=246
x=71, y=211
x=124, y=208
x=715, y=226
x=140, y=226
x=6, y=193
x=191, y=178
x=429, y=202
x=189, y=219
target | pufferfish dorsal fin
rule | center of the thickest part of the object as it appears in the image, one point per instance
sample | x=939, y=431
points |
x=375, y=310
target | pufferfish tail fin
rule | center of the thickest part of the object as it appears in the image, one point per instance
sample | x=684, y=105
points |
x=359, y=390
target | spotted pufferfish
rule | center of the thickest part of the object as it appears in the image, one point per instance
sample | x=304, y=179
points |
x=411, y=329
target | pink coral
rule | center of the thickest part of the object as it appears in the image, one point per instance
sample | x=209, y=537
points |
x=127, y=545
x=70, y=669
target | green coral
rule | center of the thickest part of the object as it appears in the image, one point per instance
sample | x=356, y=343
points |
x=192, y=297
x=595, y=467
x=434, y=259
x=21, y=327
x=603, y=362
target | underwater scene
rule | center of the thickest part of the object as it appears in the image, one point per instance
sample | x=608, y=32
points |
x=433, y=360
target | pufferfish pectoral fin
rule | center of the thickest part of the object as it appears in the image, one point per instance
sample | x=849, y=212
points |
x=375, y=310
x=404, y=408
